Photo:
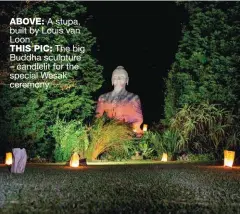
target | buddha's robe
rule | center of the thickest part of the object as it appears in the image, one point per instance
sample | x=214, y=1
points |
x=124, y=106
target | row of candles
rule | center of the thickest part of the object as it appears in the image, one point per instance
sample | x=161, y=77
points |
x=74, y=159
x=74, y=162
x=228, y=155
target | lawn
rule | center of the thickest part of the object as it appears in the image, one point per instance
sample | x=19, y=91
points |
x=129, y=188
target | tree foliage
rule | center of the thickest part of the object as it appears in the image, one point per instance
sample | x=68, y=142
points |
x=206, y=66
x=29, y=113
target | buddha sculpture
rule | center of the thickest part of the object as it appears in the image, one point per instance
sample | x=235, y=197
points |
x=120, y=103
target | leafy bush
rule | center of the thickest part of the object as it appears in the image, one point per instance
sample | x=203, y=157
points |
x=170, y=141
x=145, y=150
x=206, y=128
x=118, y=154
x=106, y=135
x=70, y=137
x=154, y=143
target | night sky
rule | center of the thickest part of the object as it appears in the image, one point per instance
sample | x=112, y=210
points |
x=143, y=37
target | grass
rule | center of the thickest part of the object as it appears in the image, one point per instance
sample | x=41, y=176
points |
x=147, y=188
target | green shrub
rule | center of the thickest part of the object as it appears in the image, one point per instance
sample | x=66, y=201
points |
x=107, y=135
x=206, y=128
x=171, y=141
x=70, y=137
x=154, y=143
x=124, y=152
x=146, y=150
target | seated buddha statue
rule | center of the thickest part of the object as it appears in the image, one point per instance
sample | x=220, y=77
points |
x=119, y=103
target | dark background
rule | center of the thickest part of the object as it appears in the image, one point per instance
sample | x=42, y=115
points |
x=143, y=37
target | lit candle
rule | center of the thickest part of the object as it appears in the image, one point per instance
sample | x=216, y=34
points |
x=164, y=157
x=74, y=162
x=228, y=158
x=9, y=158
x=145, y=127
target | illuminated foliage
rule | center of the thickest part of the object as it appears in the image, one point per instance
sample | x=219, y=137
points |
x=30, y=113
x=70, y=137
x=107, y=134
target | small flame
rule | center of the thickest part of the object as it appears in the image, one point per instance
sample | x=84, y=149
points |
x=145, y=126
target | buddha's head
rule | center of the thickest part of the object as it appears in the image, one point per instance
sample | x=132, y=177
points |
x=119, y=78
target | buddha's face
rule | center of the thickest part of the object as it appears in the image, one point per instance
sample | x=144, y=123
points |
x=119, y=79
